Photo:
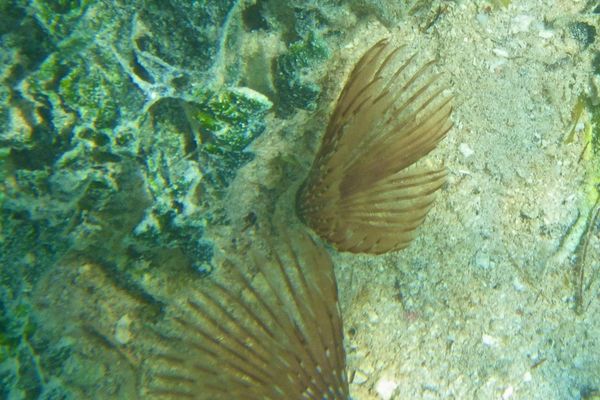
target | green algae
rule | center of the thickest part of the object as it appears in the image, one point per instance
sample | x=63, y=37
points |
x=60, y=17
x=585, y=126
x=230, y=119
x=84, y=141
x=292, y=68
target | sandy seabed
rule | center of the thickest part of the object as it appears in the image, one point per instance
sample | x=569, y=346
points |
x=481, y=305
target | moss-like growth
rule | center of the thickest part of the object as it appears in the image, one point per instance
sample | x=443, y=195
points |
x=231, y=119
x=583, y=32
x=4, y=173
x=592, y=147
x=59, y=16
x=216, y=130
x=110, y=151
x=184, y=33
x=502, y=3
x=292, y=75
x=14, y=321
x=586, y=119
x=95, y=92
x=193, y=156
x=11, y=15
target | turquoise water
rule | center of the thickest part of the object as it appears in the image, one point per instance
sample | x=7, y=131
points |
x=151, y=151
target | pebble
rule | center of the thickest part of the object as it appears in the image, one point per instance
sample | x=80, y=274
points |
x=489, y=340
x=521, y=23
x=508, y=392
x=482, y=260
x=373, y=317
x=385, y=388
x=500, y=52
x=360, y=377
x=518, y=285
x=465, y=150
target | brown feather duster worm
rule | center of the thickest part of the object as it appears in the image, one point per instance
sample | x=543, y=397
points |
x=268, y=329
x=363, y=192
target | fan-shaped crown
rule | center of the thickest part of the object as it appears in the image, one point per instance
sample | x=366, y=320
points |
x=363, y=193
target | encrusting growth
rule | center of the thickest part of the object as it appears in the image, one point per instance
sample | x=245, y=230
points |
x=268, y=330
x=363, y=192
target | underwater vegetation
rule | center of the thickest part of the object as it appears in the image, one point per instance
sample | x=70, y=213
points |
x=586, y=119
x=363, y=193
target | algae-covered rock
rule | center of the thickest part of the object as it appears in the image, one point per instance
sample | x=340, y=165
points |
x=95, y=99
x=292, y=69
x=60, y=17
x=121, y=126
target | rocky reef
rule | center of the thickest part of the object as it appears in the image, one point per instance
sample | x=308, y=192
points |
x=122, y=126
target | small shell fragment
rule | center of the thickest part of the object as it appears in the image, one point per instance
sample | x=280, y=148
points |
x=500, y=52
x=465, y=150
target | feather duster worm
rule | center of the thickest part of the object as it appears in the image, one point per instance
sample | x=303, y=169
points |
x=363, y=193
x=275, y=334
